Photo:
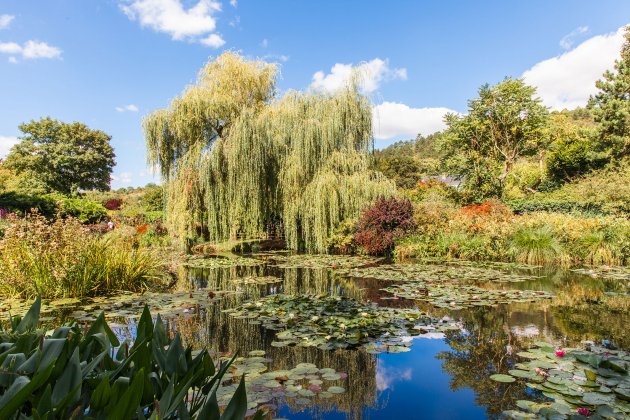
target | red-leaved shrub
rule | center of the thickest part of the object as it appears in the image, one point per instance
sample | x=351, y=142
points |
x=113, y=204
x=382, y=223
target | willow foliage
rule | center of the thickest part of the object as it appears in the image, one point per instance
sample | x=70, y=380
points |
x=235, y=159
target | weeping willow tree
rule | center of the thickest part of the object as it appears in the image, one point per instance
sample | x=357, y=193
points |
x=235, y=158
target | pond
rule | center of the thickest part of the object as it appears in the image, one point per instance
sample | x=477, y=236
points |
x=475, y=319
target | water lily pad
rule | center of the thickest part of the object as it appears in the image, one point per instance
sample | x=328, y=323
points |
x=336, y=390
x=502, y=378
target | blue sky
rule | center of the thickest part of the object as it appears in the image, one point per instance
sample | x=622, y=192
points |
x=108, y=63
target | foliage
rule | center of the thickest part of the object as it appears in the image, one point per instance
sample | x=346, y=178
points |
x=113, y=204
x=536, y=245
x=76, y=372
x=490, y=231
x=153, y=198
x=382, y=223
x=603, y=191
x=611, y=105
x=593, y=381
x=504, y=123
x=330, y=323
x=62, y=259
x=407, y=162
x=23, y=204
x=64, y=157
x=342, y=239
x=574, y=148
x=86, y=211
x=234, y=161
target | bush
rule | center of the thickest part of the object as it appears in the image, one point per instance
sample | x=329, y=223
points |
x=537, y=245
x=23, y=204
x=74, y=372
x=113, y=204
x=86, y=211
x=63, y=259
x=382, y=223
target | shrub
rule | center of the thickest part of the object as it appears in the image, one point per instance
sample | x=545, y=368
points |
x=382, y=223
x=86, y=211
x=342, y=239
x=113, y=204
x=63, y=259
x=73, y=372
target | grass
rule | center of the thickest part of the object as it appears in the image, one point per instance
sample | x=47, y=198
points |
x=63, y=259
x=536, y=245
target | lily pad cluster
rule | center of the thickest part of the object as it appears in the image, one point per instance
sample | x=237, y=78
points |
x=330, y=323
x=128, y=306
x=200, y=261
x=437, y=273
x=322, y=261
x=455, y=296
x=608, y=273
x=594, y=381
x=303, y=385
x=259, y=280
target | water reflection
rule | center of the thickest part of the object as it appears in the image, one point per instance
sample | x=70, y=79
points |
x=444, y=377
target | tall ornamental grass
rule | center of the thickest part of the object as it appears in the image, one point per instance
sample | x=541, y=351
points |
x=63, y=259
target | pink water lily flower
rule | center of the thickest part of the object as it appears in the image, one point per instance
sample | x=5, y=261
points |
x=584, y=412
x=541, y=372
x=560, y=353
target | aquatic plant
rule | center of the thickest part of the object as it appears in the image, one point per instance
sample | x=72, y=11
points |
x=536, y=245
x=76, y=372
x=337, y=322
x=594, y=380
x=63, y=259
x=235, y=160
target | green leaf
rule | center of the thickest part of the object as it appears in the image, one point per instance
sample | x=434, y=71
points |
x=502, y=378
x=127, y=404
x=31, y=319
x=237, y=406
x=19, y=392
x=69, y=383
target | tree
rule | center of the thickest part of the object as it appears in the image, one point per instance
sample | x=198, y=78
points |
x=63, y=157
x=503, y=124
x=235, y=159
x=573, y=149
x=611, y=105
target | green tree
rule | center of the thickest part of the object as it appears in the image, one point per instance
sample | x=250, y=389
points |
x=504, y=123
x=611, y=105
x=574, y=148
x=63, y=157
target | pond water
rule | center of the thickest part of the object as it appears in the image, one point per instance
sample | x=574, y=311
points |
x=445, y=374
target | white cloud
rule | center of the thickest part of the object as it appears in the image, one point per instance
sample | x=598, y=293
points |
x=279, y=58
x=567, y=41
x=213, y=40
x=130, y=108
x=30, y=50
x=392, y=119
x=6, y=142
x=233, y=3
x=5, y=21
x=122, y=178
x=264, y=43
x=568, y=80
x=195, y=23
x=386, y=377
x=371, y=74
x=13, y=60
x=10, y=48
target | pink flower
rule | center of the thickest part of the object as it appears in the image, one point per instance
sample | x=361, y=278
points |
x=541, y=372
x=584, y=412
x=560, y=353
